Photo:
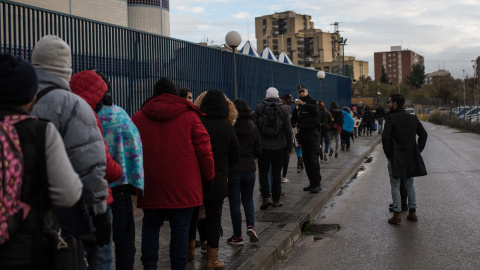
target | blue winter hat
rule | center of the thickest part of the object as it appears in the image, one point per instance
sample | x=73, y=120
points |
x=18, y=80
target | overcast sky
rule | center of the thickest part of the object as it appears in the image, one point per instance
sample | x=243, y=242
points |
x=446, y=33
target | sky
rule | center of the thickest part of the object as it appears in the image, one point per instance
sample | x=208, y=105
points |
x=445, y=33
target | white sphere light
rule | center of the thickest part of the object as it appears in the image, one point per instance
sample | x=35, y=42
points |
x=321, y=75
x=233, y=39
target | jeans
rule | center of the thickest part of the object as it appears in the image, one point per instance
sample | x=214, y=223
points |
x=395, y=189
x=123, y=226
x=335, y=134
x=271, y=158
x=240, y=189
x=101, y=258
x=324, y=137
x=179, y=224
x=380, y=125
x=311, y=151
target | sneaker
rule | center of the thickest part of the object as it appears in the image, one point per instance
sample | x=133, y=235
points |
x=204, y=248
x=252, y=234
x=237, y=241
x=316, y=189
x=299, y=170
x=285, y=180
x=336, y=155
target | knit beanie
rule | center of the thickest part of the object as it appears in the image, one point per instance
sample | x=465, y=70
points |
x=272, y=92
x=165, y=86
x=53, y=55
x=18, y=80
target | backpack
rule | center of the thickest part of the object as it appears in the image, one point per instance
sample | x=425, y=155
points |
x=270, y=122
x=12, y=210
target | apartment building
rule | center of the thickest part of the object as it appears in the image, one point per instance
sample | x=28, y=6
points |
x=437, y=76
x=397, y=62
x=151, y=16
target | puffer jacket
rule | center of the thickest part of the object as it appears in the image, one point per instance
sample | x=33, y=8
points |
x=220, y=116
x=75, y=121
x=91, y=87
x=177, y=154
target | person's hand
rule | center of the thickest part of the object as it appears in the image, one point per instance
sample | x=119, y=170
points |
x=104, y=228
x=299, y=102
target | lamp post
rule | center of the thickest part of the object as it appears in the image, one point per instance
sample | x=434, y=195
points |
x=233, y=39
x=321, y=76
x=343, y=42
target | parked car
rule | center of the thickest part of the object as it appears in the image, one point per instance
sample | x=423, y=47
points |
x=469, y=113
x=410, y=110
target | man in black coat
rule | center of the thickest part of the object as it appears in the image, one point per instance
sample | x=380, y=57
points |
x=403, y=154
x=305, y=117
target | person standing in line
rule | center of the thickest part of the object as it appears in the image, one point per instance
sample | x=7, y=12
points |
x=125, y=146
x=336, y=127
x=75, y=120
x=403, y=152
x=305, y=118
x=287, y=100
x=369, y=119
x=43, y=156
x=219, y=116
x=273, y=121
x=347, y=129
x=173, y=139
x=241, y=176
x=325, y=120
x=380, y=115
x=186, y=93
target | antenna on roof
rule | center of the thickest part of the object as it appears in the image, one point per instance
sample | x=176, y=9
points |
x=336, y=25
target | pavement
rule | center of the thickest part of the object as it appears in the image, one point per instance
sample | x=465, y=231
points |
x=278, y=228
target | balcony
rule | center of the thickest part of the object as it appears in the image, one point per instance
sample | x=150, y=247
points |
x=274, y=22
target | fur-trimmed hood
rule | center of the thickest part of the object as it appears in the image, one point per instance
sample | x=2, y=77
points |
x=228, y=109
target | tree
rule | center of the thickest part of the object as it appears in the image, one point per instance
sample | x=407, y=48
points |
x=384, y=78
x=417, y=76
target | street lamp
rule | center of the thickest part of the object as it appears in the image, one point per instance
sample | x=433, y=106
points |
x=343, y=42
x=321, y=76
x=233, y=40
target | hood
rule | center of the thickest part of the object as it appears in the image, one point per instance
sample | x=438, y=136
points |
x=90, y=86
x=165, y=107
x=244, y=125
x=216, y=106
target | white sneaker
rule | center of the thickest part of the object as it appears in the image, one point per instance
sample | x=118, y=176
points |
x=285, y=180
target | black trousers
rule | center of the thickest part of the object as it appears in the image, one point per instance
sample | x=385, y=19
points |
x=310, y=152
x=286, y=160
x=213, y=212
x=275, y=159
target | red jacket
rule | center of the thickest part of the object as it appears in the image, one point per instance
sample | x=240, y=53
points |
x=91, y=87
x=177, y=153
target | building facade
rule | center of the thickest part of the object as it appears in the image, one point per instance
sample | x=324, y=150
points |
x=152, y=16
x=397, y=62
x=306, y=46
x=437, y=76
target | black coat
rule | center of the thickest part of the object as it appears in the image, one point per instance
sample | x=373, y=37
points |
x=278, y=142
x=249, y=144
x=305, y=117
x=337, y=118
x=223, y=140
x=399, y=139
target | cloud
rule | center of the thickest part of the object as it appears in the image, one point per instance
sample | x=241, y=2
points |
x=196, y=10
x=241, y=15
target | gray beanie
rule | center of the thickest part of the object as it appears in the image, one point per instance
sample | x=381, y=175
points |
x=272, y=92
x=53, y=55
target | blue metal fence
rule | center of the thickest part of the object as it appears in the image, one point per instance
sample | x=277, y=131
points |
x=135, y=60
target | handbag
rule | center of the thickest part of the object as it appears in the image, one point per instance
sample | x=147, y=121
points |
x=68, y=252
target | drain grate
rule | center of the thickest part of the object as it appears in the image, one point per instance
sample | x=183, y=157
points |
x=317, y=229
x=283, y=217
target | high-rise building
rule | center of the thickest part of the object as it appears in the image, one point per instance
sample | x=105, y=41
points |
x=151, y=16
x=306, y=46
x=397, y=62
x=437, y=76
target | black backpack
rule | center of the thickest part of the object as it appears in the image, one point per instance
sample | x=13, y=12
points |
x=270, y=122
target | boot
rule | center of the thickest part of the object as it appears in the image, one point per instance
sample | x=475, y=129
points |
x=266, y=203
x=412, y=215
x=396, y=219
x=212, y=260
x=191, y=250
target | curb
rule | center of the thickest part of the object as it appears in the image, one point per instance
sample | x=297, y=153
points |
x=284, y=238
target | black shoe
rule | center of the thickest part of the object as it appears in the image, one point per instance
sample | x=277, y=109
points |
x=266, y=203
x=336, y=155
x=331, y=153
x=316, y=189
x=307, y=188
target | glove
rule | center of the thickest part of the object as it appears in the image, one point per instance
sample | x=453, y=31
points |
x=104, y=228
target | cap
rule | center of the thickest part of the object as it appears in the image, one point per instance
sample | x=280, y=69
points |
x=301, y=87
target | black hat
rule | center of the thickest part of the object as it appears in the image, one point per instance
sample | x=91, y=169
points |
x=301, y=87
x=18, y=80
x=165, y=86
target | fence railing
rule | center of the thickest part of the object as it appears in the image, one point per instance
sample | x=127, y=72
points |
x=135, y=60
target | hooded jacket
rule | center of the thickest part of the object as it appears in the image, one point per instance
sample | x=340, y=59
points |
x=177, y=153
x=219, y=117
x=249, y=144
x=75, y=121
x=399, y=140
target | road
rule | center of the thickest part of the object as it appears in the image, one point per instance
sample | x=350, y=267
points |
x=447, y=235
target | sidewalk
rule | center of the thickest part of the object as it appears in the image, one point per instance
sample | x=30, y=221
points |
x=277, y=228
